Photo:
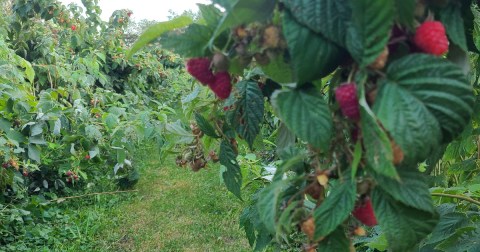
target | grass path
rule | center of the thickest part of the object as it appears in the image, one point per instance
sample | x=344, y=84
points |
x=176, y=210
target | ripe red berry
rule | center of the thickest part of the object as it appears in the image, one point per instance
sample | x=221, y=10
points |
x=346, y=95
x=69, y=173
x=5, y=165
x=25, y=173
x=364, y=213
x=73, y=27
x=431, y=38
x=87, y=156
x=200, y=69
x=222, y=86
x=129, y=14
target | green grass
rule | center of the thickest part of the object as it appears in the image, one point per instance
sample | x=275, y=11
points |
x=174, y=210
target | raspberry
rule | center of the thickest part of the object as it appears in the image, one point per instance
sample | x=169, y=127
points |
x=73, y=27
x=364, y=213
x=346, y=95
x=222, y=85
x=430, y=37
x=200, y=69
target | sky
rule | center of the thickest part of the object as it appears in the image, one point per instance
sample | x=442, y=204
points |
x=144, y=9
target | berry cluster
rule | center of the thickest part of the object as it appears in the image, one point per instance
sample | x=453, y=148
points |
x=220, y=82
x=71, y=176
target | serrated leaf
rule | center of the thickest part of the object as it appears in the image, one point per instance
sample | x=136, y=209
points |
x=210, y=14
x=335, y=208
x=193, y=42
x=5, y=125
x=157, y=30
x=249, y=110
x=312, y=55
x=92, y=132
x=335, y=242
x=34, y=152
x=268, y=204
x=422, y=95
x=285, y=138
x=405, y=10
x=278, y=70
x=411, y=190
x=451, y=17
x=244, y=12
x=328, y=17
x=306, y=114
x=447, y=226
x=465, y=239
x=205, y=126
x=232, y=176
x=377, y=144
x=404, y=226
x=370, y=28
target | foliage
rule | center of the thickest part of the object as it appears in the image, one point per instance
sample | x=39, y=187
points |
x=73, y=111
x=412, y=106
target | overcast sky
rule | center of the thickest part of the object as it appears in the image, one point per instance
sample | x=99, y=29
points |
x=144, y=9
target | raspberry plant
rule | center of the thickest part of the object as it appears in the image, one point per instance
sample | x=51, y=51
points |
x=349, y=152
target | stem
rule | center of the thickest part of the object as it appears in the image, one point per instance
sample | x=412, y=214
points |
x=90, y=194
x=462, y=197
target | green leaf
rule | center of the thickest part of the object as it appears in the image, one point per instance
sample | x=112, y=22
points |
x=312, y=55
x=465, y=240
x=370, y=28
x=157, y=30
x=278, y=70
x=335, y=242
x=232, y=176
x=244, y=12
x=249, y=110
x=404, y=226
x=405, y=10
x=193, y=42
x=422, y=95
x=451, y=17
x=5, y=125
x=285, y=138
x=269, y=203
x=328, y=17
x=377, y=144
x=411, y=190
x=447, y=226
x=306, y=114
x=210, y=14
x=34, y=152
x=205, y=126
x=335, y=208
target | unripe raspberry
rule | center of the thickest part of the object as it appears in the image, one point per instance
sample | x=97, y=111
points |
x=346, y=96
x=431, y=38
x=200, y=69
x=222, y=85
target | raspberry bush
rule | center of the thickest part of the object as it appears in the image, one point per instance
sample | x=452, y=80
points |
x=365, y=95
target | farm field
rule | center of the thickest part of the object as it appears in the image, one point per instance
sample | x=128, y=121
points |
x=242, y=125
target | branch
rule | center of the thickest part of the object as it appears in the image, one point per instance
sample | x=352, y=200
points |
x=59, y=200
x=462, y=197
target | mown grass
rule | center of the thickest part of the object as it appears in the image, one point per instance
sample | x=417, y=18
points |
x=174, y=210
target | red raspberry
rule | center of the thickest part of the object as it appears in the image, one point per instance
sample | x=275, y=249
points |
x=87, y=156
x=346, y=95
x=200, y=69
x=73, y=27
x=364, y=213
x=430, y=37
x=222, y=86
